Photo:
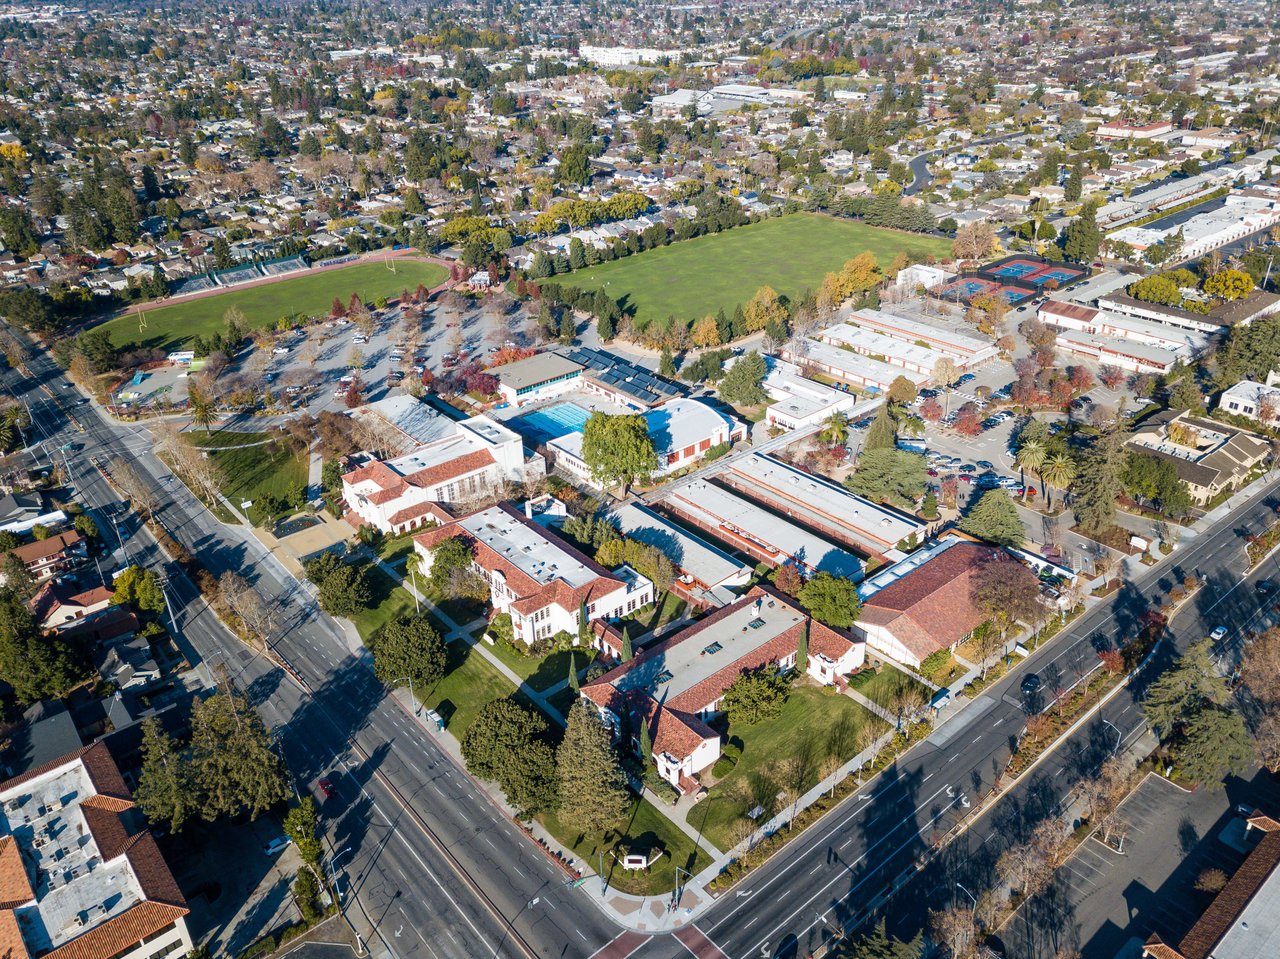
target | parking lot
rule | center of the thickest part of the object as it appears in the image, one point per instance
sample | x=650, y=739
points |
x=1106, y=903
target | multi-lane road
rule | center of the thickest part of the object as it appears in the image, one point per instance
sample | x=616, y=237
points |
x=416, y=824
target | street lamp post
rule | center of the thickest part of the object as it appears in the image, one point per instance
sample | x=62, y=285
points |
x=1119, y=735
x=333, y=874
x=971, y=897
x=416, y=704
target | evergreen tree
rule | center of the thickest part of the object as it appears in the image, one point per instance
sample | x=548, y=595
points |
x=604, y=328
x=883, y=433
x=1192, y=684
x=407, y=647
x=802, y=650
x=1082, y=238
x=667, y=363
x=1098, y=483
x=593, y=790
x=995, y=519
x=166, y=789
x=626, y=652
x=646, y=741
x=1075, y=182
x=236, y=770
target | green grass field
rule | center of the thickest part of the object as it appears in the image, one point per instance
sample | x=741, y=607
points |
x=170, y=327
x=812, y=726
x=692, y=278
x=252, y=472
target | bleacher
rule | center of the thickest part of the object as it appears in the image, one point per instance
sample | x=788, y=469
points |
x=194, y=284
x=293, y=264
x=241, y=274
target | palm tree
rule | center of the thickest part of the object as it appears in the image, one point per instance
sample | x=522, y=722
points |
x=1058, y=470
x=836, y=429
x=1031, y=456
x=202, y=408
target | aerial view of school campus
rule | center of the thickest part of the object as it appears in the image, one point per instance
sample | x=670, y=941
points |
x=631, y=480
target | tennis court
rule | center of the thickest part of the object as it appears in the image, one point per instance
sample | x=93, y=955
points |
x=1017, y=269
x=1058, y=276
x=551, y=422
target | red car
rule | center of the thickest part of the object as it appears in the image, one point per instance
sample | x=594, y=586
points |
x=326, y=787
x=966, y=478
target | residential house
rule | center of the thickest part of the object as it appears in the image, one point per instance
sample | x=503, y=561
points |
x=1210, y=456
x=45, y=558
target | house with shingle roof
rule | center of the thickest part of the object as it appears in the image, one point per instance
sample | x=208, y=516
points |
x=677, y=686
x=1209, y=455
x=78, y=879
x=537, y=578
x=923, y=604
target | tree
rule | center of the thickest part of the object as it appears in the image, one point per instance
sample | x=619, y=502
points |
x=593, y=790
x=17, y=579
x=1229, y=284
x=883, y=433
x=741, y=385
x=258, y=617
x=166, y=790
x=995, y=519
x=1214, y=743
x=764, y=309
x=1008, y=592
x=342, y=588
x=974, y=241
x=504, y=744
x=889, y=476
x=618, y=450
x=832, y=600
x=1031, y=456
x=202, y=407
x=407, y=647
x=236, y=770
x=453, y=573
x=755, y=695
x=140, y=588
x=36, y=666
x=1059, y=470
x=1191, y=684
x=625, y=650
x=140, y=493
x=878, y=944
x=301, y=826
x=1082, y=238
x=1098, y=482
x=836, y=429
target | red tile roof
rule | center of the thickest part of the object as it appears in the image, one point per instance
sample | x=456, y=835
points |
x=12, y=945
x=119, y=933
x=931, y=607
x=42, y=549
x=15, y=884
x=1227, y=906
x=443, y=472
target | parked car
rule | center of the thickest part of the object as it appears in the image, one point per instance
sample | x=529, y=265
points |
x=326, y=787
x=1219, y=634
x=1265, y=587
x=276, y=845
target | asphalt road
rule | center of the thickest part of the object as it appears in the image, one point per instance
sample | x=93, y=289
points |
x=827, y=878
x=346, y=728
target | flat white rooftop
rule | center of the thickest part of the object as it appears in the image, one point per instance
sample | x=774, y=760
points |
x=683, y=665
x=687, y=552
x=856, y=367
x=742, y=524
x=869, y=341
x=74, y=889
x=821, y=502
x=906, y=328
x=526, y=548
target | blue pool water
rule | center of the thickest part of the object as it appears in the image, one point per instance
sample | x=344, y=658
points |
x=547, y=424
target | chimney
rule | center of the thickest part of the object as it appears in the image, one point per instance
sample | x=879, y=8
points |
x=756, y=607
x=528, y=509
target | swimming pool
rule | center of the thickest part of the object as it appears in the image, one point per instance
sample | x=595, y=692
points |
x=551, y=422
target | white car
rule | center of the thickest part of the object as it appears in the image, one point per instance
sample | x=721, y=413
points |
x=276, y=845
x=280, y=350
x=1219, y=634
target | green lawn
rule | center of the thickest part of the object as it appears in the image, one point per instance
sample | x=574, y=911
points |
x=540, y=673
x=882, y=687
x=669, y=607
x=469, y=684
x=387, y=600
x=692, y=278
x=646, y=828
x=171, y=327
x=789, y=749
x=250, y=472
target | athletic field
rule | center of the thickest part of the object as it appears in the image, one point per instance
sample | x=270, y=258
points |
x=692, y=278
x=311, y=294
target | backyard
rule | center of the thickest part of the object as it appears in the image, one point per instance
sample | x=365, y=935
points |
x=815, y=731
x=693, y=278
x=646, y=828
x=311, y=294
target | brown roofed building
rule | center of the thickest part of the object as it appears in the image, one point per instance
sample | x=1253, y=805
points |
x=678, y=685
x=78, y=880
x=1243, y=921
x=924, y=603
x=47, y=557
x=1209, y=455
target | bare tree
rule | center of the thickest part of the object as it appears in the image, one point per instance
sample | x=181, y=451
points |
x=259, y=618
x=954, y=930
x=138, y=491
